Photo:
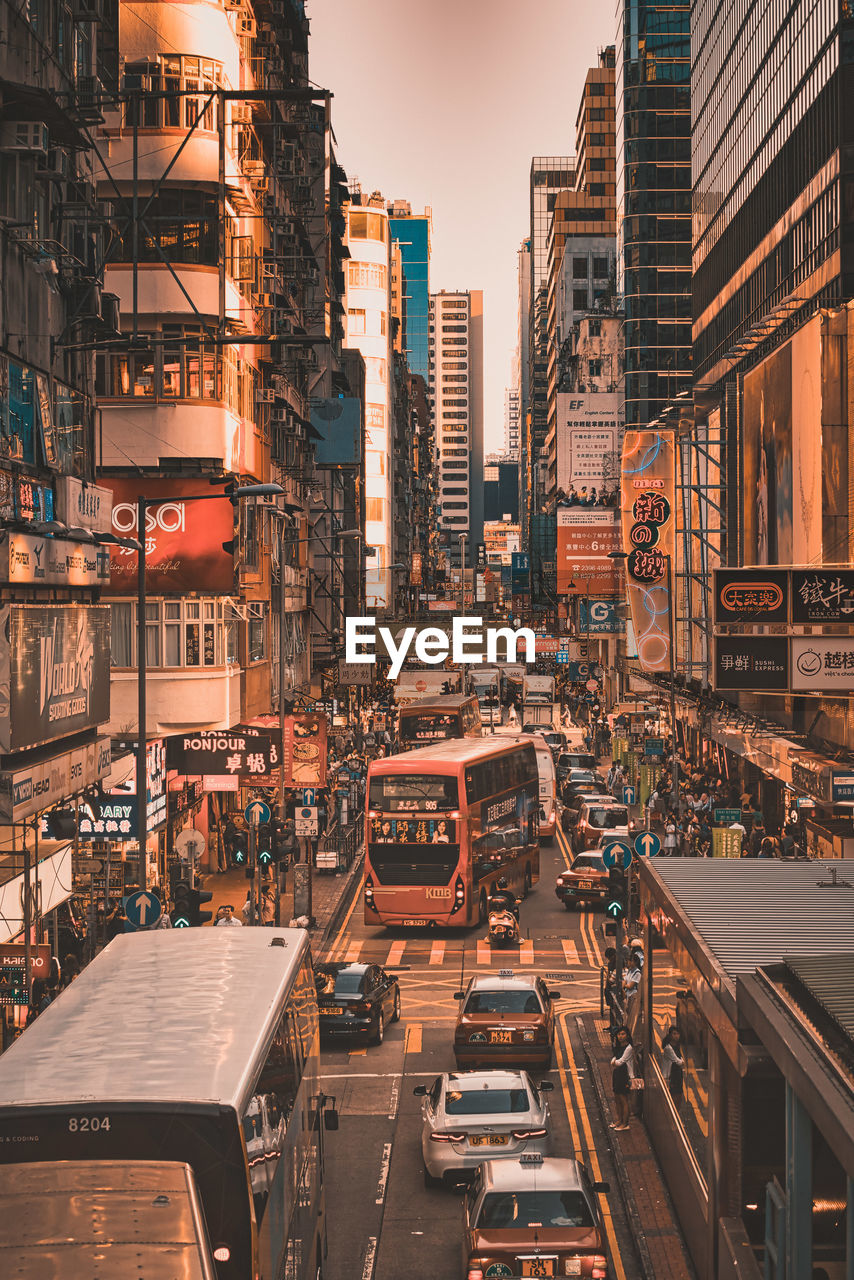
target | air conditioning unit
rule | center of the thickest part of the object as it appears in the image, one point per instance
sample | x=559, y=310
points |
x=241, y=113
x=24, y=135
x=264, y=395
x=89, y=91
x=282, y=324
x=279, y=417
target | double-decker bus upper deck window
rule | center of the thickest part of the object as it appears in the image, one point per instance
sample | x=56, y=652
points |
x=421, y=792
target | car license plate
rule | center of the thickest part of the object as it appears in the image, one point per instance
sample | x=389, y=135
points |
x=415, y=922
x=585, y=884
x=501, y=1037
x=539, y=1266
x=331, y=1008
x=488, y=1140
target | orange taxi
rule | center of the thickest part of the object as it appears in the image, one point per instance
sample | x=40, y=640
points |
x=585, y=882
x=505, y=1019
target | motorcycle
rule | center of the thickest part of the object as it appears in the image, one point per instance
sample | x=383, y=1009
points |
x=503, y=928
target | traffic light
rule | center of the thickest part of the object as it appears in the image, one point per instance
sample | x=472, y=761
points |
x=618, y=894
x=264, y=844
x=238, y=850
x=181, y=914
x=186, y=913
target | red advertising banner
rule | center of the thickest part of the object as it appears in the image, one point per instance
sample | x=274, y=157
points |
x=304, y=750
x=585, y=535
x=183, y=540
x=649, y=527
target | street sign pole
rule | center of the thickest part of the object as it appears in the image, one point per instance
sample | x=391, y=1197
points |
x=252, y=860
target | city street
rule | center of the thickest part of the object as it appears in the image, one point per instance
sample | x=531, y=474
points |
x=382, y=1222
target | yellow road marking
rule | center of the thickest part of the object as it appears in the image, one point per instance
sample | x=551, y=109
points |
x=591, y=958
x=588, y=922
x=437, y=953
x=345, y=922
x=589, y=1143
x=563, y=845
x=353, y=950
x=570, y=951
x=412, y=1043
x=358, y=1053
x=526, y=951
x=484, y=952
x=395, y=954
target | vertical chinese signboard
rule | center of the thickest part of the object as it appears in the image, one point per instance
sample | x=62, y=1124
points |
x=649, y=526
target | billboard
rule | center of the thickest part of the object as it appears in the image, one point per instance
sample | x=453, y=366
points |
x=822, y=595
x=183, y=540
x=823, y=664
x=249, y=754
x=649, y=524
x=338, y=422
x=31, y=788
x=753, y=597
x=54, y=672
x=304, y=750
x=588, y=441
x=52, y=562
x=599, y=616
x=585, y=536
x=753, y=664
x=782, y=454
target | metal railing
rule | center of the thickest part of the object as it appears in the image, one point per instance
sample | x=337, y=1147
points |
x=338, y=846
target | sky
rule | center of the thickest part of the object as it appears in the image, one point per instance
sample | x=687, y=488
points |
x=443, y=103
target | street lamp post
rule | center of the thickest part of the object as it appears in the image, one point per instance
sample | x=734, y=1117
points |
x=462, y=574
x=142, y=505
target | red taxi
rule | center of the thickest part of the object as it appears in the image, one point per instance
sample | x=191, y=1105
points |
x=505, y=1019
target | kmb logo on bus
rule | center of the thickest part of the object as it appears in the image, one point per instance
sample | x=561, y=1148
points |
x=754, y=597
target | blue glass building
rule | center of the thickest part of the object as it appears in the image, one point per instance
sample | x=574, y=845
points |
x=411, y=233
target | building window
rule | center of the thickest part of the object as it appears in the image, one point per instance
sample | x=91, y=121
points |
x=454, y=414
x=594, y=328
x=146, y=83
x=367, y=226
x=454, y=342
x=180, y=227
x=454, y=328
x=184, y=366
x=454, y=404
x=454, y=302
x=375, y=509
x=355, y=322
x=367, y=275
x=455, y=506
x=454, y=364
x=178, y=633
x=455, y=453
x=456, y=377
x=600, y=268
x=579, y=299
x=594, y=368
x=579, y=268
x=256, y=631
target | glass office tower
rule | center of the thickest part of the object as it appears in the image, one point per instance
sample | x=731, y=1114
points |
x=654, y=201
x=411, y=233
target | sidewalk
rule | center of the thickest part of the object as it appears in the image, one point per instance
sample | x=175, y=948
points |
x=651, y=1216
x=330, y=898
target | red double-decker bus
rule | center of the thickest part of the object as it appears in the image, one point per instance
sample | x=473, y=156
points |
x=443, y=824
x=435, y=719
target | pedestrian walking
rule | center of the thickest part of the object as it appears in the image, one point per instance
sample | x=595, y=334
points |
x=622, y=1074
x=672, y=1065
x=225, y=916
x=40, y=998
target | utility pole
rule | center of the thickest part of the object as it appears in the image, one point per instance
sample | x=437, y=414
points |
x=674, y=759
x=253, y=918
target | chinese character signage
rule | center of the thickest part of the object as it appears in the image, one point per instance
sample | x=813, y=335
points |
x=588, y=467
x=726, y=842
x=823, y=664
x=758, y=664
x=822, y=595
x=649, y=522
x=811, y=773
x=118, y=816
x=598, y=616
x=230, y=753
x=24, y=500
x=413, y=831
x=751, y=597
x=585, y=536
x=54, y=672
x=83, y=506
x=304, y=750
x=183, y=540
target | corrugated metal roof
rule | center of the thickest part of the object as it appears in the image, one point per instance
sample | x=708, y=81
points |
x=831, y=980
x=751, y=912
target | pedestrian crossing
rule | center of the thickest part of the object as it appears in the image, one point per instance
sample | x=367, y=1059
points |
x=530, y=953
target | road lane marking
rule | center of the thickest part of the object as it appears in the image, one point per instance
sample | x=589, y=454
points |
x=526, y=951
x=345, y=923
x=412, y=1042
x=353, y=950
x=370, y=1258
x=385, y=1162
x=591, y=959
x=395, y=954
x=484, y=952
x=563, y=845
x=570, y=951
x=394, y=1100
x=358, y=1053
x=437, y=952
x=610, y=1230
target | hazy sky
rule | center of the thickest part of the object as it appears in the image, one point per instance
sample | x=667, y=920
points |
x=443, y=103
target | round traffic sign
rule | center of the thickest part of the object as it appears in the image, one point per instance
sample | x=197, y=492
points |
x=189, y=844
x=143, y=909
x=256, y=812
x=592, y=685
x=617, y=851
x=647, y=844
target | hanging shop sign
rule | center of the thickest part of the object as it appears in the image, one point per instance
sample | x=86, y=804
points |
x=812, y=774
x=54, y=672
x=726, y=842
x=118, y=819
x=822, y=664
x=230, y=752
x=183, y=540
x=52, y=562
x=842, y=787
x=648, y=520
x=822, y=595
x=83, y=506
x=23, y=500
x=585, y=536
x=758, y=664
x=304, y=750
x=30, y=789
x=51, y=884
x=751, y=597
x=599, y=616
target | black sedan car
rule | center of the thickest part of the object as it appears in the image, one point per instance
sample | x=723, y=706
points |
x=356, y=1000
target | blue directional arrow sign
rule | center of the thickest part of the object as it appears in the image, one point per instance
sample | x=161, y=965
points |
x=647, y=844
x=309, y=796
x=628, y=795
x=256, y=812
x=143, y=909
x=617, y=851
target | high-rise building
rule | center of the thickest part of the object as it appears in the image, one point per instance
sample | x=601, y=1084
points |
x=411, y=232
x=522, y=376
x=511, y=421
x=456, y=373
x=369, y=331
x=653, y=119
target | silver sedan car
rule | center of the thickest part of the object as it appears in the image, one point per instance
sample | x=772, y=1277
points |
x=471, y=1116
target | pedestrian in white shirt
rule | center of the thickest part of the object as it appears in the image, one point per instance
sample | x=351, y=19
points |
x=623, y=1064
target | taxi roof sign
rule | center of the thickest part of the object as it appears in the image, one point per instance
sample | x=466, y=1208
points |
x=505, y=973
x=532, y=1157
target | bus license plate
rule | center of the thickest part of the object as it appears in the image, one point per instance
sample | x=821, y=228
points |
x=415, y=922
x=439, y=891
x=500, y=1037
x=538, y=1266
